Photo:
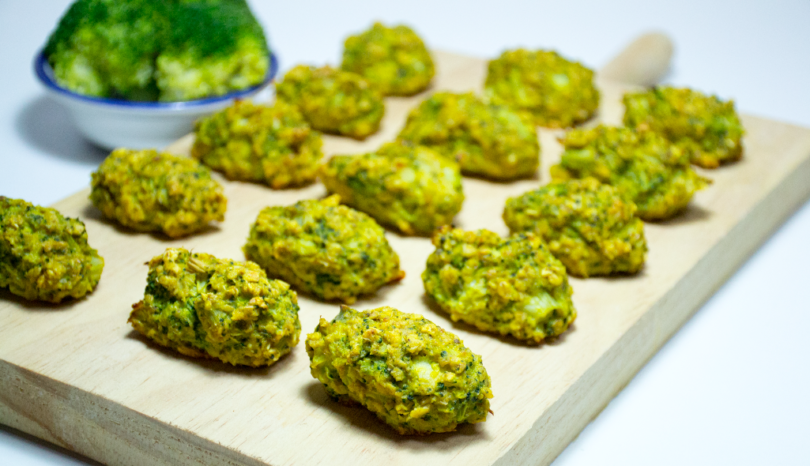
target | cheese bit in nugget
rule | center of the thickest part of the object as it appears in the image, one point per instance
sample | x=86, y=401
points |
x=558, y=93
x=392, y=59
x=590, y=227
x=511, y=286
x=206, y=307
x=707, y=128
x=323, y=248
x=270, y=145
x=43, y=255
x=333, y=101
x=150, y=191
x=410, y=188
x=493, y=141
x=655, y=173
x=415, y=376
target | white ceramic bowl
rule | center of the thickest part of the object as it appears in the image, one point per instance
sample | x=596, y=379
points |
x=112, y=123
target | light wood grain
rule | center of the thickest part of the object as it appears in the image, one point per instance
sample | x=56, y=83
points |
x=644, y=62
x=78, y=376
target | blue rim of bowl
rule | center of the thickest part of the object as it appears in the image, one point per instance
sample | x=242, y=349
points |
x=44, y=72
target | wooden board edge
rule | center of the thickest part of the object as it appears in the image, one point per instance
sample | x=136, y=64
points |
x=617, y=366
x=99, y=428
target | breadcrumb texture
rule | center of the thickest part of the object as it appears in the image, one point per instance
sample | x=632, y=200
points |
x=43, y=255
x=591, y=227
x=333, y=101
x=655, y=173
x=410, y=188
x=705, y=127
x=206, y=307
x=415, y=376
x=511, y=286
x=557, y=92
x=492, y=141
x=392, y=59
x=323, y=248
x=148, y=190
x=270, y=145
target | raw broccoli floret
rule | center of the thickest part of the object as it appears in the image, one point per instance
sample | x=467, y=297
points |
x=106, y=48
x=213, y=47
x=158, y=50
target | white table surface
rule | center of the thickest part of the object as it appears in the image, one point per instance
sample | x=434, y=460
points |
x=732, y=386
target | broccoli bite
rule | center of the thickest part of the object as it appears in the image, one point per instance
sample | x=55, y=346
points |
x=590, y=227
x=150, y=50
x=333, y=101
x=392, y=59
x=150, y=191
x=43, y=255
x=512, y=286
x=705, y=127
x=557, y=92
x=323, y=248
x=270, y=145
x=493, y=141
x=652, y=171
x=206, y=307
x=415, y=376
x=410, y=188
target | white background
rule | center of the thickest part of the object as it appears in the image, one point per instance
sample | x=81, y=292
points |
x=732, y=386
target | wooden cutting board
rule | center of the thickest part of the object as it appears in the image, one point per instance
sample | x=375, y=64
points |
x=78, y=376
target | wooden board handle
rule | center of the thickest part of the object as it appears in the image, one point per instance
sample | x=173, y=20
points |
x=644, y=62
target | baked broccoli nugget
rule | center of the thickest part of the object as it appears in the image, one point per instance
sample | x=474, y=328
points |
x=489, y=140
x=150, y=191
x=323, y=248
x=270, y=145
x=411, y=373
x=557, y=92
x=394, y=60
x=655, y=173
x=410, y=188
x=707, y=128
x=590, y=227
x=333, y=101
x=511, y=286
x=43, y=255
x=202, y=306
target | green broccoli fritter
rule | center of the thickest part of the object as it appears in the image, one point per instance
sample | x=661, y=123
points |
x=410, y=188
x=150, y=191
x=158, y=50
x=333, y=101
x=415, y=376
x=655, y=173
x=705, y=127
x=559, y=93
x=323, y=248
x=489, y=140
x=43, y=255
x=591, y=227
x=511, y=286
x=202, y=306
x=393, y=59
x=270, y=145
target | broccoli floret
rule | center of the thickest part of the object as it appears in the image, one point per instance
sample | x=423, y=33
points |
x=106, y=48
x=213, y=47
x=158, y=50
